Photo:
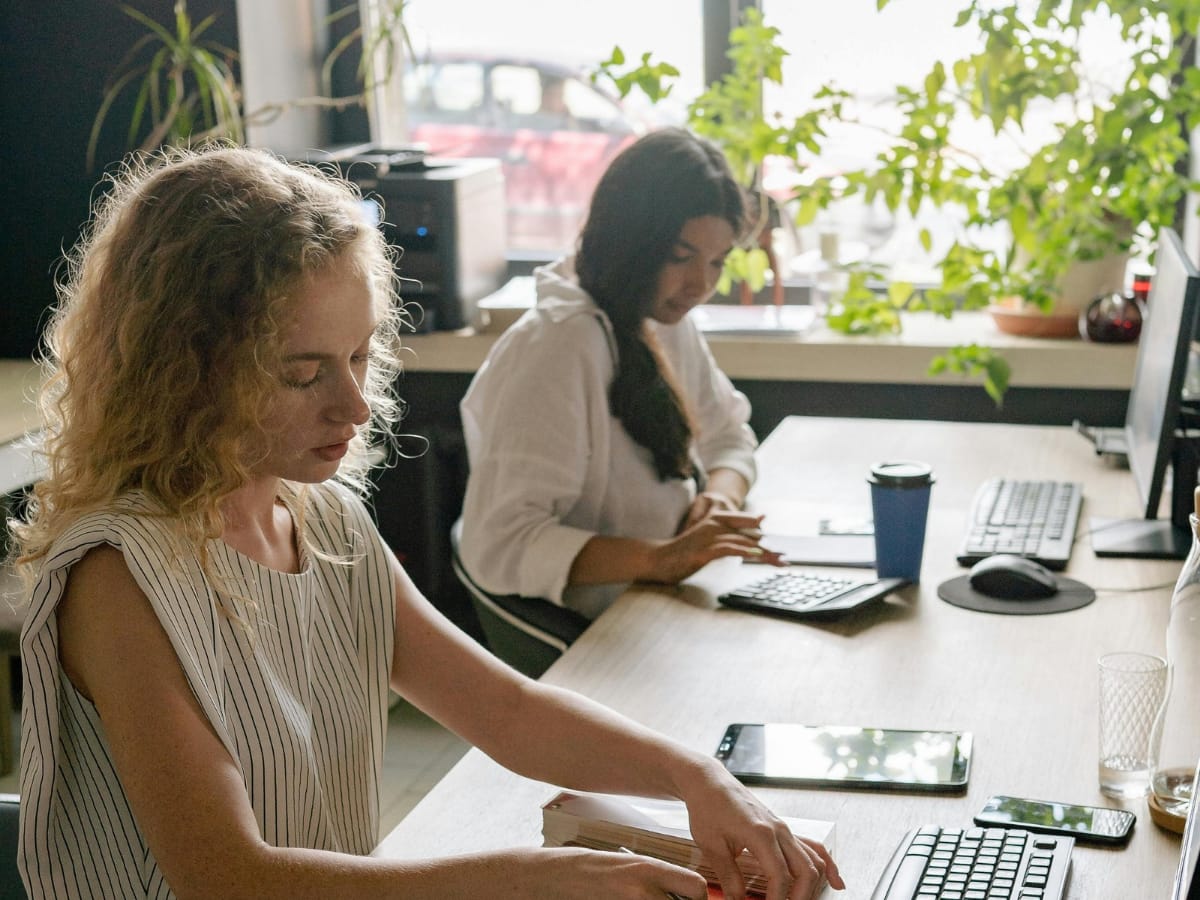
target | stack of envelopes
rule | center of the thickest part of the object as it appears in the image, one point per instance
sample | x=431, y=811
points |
x=657, y=828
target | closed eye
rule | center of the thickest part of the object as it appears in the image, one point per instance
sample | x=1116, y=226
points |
x=299, y=380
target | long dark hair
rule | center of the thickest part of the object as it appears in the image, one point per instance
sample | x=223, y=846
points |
x=638, y=210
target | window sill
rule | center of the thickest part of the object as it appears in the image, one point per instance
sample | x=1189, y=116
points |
x=823, y=355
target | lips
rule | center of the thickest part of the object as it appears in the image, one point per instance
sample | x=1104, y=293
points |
x=333, y=452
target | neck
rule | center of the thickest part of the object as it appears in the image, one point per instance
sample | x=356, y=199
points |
x=252, y=506
x=259, y=527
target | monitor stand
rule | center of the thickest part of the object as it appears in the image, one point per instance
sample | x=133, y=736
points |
x=1139, y=538
x=1156, y=538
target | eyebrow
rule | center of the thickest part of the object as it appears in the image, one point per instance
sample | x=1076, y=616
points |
x=317, y=356
x=692, y=248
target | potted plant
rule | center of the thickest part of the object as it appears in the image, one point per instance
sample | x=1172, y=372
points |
x=187, y=90
x=729, y=113
x=1112, y=173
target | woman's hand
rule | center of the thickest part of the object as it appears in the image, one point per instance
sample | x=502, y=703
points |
x=717, y=534
x=726, y=818
x=573, y=872
x=706, y=503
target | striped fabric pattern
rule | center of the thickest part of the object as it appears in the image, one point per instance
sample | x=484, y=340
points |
x=299, y=700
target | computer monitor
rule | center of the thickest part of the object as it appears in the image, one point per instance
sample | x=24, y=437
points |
x=1153, y=438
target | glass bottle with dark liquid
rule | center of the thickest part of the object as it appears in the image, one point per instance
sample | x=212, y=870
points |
x=1111, y=319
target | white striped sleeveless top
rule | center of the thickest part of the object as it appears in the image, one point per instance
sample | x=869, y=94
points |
x=301, y=705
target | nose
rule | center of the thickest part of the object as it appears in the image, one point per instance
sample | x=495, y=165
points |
x=702, y=279
x=349, y=404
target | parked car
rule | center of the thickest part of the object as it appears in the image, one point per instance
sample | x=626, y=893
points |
x=553, y=130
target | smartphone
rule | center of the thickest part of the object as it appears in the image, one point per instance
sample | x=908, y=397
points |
x=1095, y=824
x=844, y=756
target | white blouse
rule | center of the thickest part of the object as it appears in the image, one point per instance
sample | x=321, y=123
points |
x=300, y=703
x=550, y=467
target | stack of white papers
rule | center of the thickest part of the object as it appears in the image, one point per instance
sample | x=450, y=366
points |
x=657, y=828
x=764, y=320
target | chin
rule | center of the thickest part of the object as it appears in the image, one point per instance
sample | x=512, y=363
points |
x=310, y=474
x=670, y=316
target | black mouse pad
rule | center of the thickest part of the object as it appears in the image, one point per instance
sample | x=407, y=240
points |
x=1071, y=594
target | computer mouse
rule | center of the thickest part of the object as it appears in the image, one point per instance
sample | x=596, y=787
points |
x=1009, y=577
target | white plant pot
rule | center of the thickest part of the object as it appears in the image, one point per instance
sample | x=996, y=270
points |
x=1084, y=280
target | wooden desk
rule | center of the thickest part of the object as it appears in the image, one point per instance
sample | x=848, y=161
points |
x=1025, y=685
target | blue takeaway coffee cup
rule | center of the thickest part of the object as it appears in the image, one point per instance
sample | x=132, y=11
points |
x=900, y=505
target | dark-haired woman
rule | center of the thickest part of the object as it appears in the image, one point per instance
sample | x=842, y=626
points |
x=605, y=445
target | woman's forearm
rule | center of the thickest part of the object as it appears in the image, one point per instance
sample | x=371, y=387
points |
x=729, y=483
x=715, y=533
x=586, y=746
x=609, y=560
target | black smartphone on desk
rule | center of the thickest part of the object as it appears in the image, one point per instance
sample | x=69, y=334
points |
x=842, y=756
x=1087, y=824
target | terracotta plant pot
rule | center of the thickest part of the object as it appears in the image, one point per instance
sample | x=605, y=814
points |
x=1083, y=281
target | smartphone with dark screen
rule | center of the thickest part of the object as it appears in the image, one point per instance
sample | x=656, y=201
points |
x=1087, y=824
x=847, y=756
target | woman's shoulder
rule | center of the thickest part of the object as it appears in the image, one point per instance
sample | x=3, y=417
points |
x=557, y=331
x=133, y=535
x=333, y=503
x=338, y=517
x=130, y=519
x=334, y=499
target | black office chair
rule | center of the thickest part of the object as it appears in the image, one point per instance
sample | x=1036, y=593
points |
x=528, y=633
x=10, y=875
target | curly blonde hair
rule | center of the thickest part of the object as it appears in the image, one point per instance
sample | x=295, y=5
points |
x=164, y=350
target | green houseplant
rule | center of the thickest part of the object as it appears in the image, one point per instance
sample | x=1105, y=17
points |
x=1112, y=173
x=185, y=86
x=729, y=112
x=1109, y=176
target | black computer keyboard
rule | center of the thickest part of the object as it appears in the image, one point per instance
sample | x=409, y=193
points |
x=803, y=594
x=976, y=864
x=1036, y=519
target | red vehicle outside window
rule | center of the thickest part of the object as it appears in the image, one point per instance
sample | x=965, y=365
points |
x=553, y=131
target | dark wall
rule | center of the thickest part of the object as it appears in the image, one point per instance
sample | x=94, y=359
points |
x=57, y=58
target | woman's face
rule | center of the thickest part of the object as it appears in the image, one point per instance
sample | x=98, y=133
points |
x=690, y=274
x=320, y=404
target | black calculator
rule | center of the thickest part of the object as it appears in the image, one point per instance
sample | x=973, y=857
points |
x=806, y=595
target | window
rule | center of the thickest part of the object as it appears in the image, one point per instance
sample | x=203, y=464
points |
x=869, y=53
x=511, y=81
x=529, y=61
x=448, y=93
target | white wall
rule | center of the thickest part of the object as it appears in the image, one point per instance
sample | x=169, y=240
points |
x=282, y=47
